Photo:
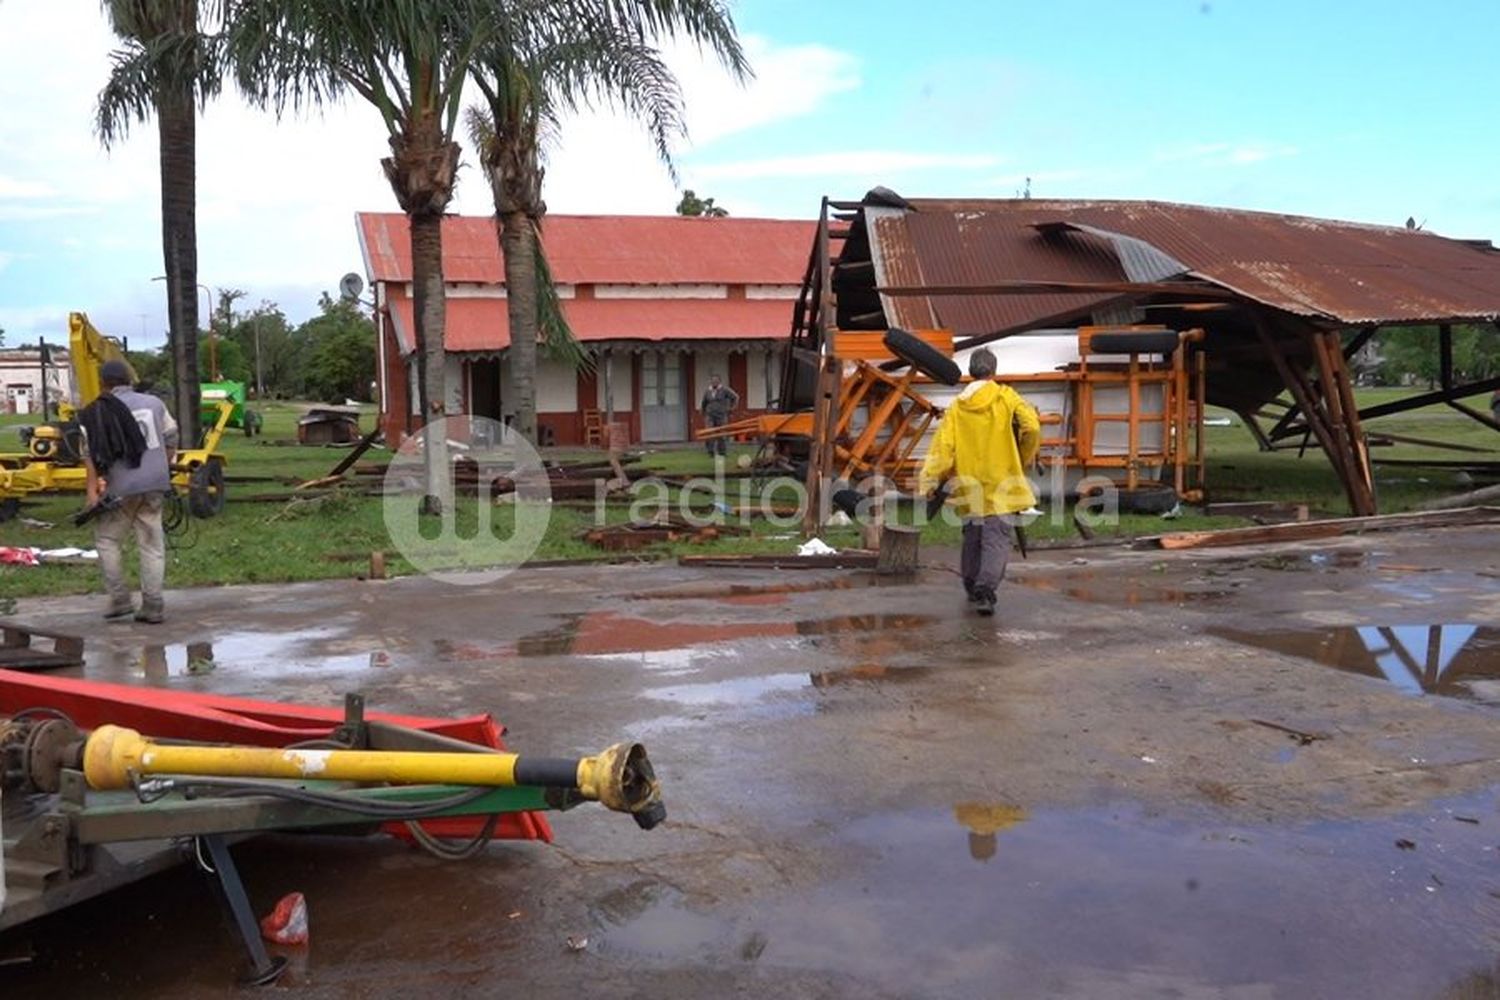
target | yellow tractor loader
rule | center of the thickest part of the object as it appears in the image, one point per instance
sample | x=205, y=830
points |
x=52, y=461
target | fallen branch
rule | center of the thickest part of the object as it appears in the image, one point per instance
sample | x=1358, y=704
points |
x=1470, y=499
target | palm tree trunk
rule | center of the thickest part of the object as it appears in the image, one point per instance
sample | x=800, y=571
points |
x=518, y=240
x=177, y=134
x=429, y=310
x=421, y=169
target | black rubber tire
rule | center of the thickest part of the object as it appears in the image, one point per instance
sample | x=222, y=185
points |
x=847, y=501
x=206, y=492
x=1133, y=343
x=9, y=508
x=922, y=356
x=1148, y=500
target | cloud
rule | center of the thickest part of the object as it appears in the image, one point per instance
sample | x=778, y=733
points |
x=842, y=163
x=276, y=199
x=1224, y=153
x=13, y=188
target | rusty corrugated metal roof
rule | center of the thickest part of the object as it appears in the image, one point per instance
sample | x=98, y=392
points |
x=1340, y=272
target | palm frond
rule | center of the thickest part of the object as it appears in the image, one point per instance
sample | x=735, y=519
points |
x=159, y=55
x=558, y=341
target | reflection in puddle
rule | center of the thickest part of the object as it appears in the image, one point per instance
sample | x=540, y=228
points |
x=1455, y=660
x=735, y=690
x=867, y=673
x=984, y=820
x=771, y=593
x=1112, y=590
x=604, y=633
x=1098, y=902
x=257, y=654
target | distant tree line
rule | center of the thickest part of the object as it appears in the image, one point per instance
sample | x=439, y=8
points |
x=1409, y=355
x=329, y=358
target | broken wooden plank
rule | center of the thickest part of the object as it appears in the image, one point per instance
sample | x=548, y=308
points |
x=355, y=452
x=1313, y=530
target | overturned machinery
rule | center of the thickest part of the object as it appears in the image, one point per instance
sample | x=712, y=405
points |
x=87, y=805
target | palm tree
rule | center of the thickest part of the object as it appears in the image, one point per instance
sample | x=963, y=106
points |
x=408, y=59
x=166, y=67
x=527, y=81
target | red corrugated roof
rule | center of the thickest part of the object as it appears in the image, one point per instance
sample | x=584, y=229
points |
x=1345, y=272
x=607, y=249
x=482, y=325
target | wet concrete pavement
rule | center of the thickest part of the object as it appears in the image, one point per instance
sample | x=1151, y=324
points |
x=1141, y=779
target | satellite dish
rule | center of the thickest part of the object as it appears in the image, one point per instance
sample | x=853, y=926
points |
x=351, y=287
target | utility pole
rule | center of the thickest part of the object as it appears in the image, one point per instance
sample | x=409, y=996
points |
x=260, y=383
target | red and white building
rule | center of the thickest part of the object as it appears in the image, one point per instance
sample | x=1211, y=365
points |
x=662, y=303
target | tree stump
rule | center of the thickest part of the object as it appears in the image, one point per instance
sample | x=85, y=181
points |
x=898, y=551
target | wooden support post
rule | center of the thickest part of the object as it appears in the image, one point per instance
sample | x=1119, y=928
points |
x=1303, y=394
x=1343, y=416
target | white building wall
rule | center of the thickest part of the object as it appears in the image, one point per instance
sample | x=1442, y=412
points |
x=772, y=291
x=621, y=383
x=755, y=379
x=556, y=387
x=453, y=382
x=21, y=377
x=661, y=291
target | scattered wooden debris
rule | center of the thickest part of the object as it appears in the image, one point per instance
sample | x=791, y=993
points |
x=1302, y=737
x=1258, y=509
x=858, y=559
x=662, y=530
x=1313, y=530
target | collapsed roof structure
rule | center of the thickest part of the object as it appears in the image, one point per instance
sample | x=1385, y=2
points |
x=1285, y=300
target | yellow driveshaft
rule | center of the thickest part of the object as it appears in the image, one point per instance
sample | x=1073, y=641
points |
x=620, y=777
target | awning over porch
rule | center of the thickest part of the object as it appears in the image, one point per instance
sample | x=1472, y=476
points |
x=480, y=325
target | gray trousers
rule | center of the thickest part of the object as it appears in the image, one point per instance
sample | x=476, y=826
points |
x=711, y=419
x=142, y=513
x=986, y=550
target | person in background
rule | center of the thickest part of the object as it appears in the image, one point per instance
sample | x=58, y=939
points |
x=131, y=443
x=985, y=441
x=719, y=401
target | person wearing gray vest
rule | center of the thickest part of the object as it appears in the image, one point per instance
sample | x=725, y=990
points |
x=131, y=442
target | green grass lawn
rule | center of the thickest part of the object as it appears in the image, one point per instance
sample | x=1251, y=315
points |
x=264, y=542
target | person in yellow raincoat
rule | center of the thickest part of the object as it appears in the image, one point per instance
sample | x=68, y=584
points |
x=985, y=442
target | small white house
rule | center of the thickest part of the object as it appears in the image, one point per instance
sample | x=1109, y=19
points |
x=23, y=376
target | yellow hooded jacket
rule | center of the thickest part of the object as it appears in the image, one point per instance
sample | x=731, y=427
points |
x=986, y=440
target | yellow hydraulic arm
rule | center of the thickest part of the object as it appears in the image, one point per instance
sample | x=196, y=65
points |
x=88, y=349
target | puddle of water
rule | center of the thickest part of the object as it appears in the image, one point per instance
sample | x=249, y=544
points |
x=1097, y=589
x=773, y=593
x=735, y=690
x=1106, y=903
x=1302, y=562
x=603, y=633
x=1454, y=660
x=256, y=654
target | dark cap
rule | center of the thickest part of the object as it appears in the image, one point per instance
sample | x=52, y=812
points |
x=115, y=373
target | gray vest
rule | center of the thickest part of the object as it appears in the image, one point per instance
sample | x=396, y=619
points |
x=152, y=475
